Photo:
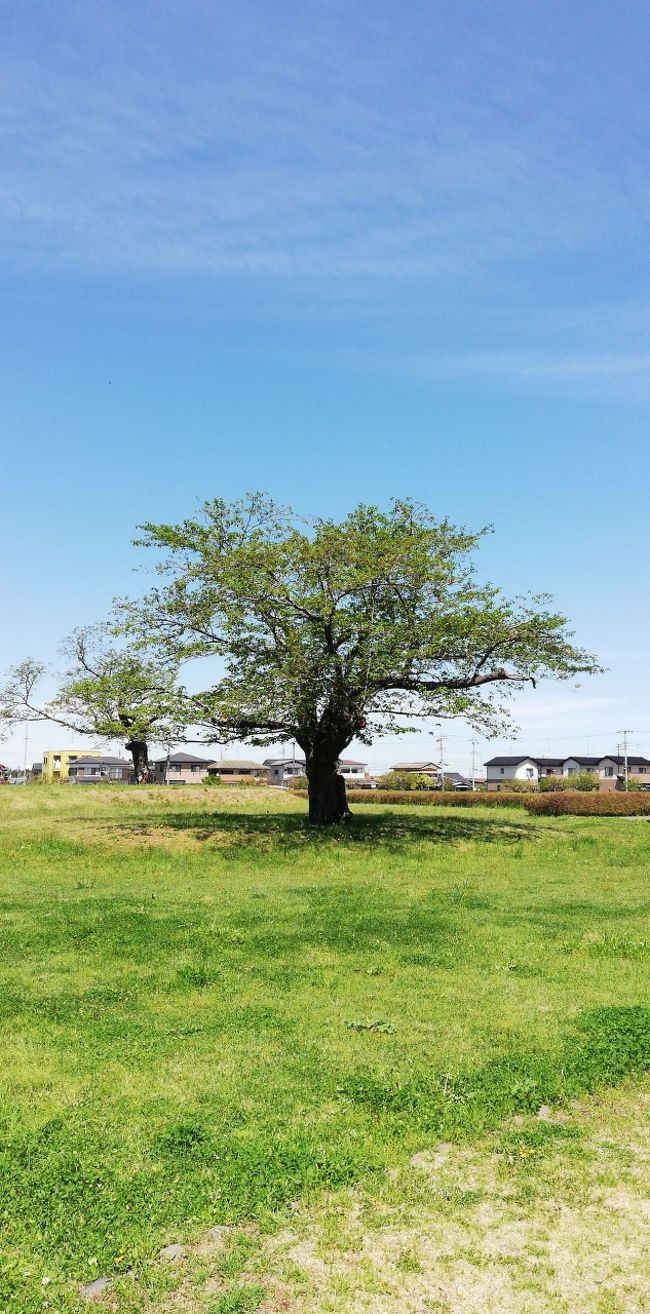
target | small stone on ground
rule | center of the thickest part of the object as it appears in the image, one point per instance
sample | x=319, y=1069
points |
x=171, y=1254
x=97, y=1289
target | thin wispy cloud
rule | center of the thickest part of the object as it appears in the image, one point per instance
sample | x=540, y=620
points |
x=307, y=142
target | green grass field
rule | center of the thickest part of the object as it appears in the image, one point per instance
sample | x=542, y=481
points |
x=213, y=1016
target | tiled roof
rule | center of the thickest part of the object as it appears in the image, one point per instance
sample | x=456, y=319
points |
x=632, y=760
x=510, y=761
x=185, y=757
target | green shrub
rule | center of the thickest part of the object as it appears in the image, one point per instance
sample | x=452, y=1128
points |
x=212, y=782
x=406, y=781
x=299, y=783
x=585, y=781
x=552, y=784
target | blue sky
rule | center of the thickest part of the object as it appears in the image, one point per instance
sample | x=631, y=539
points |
x=338, y=253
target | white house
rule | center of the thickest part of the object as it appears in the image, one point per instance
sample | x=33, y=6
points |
x=351, y=770
x=609, y=768
x=280, y=770
x=502, y=769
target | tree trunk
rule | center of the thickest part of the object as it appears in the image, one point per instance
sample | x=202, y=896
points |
x=140, y=754
x=327, y=800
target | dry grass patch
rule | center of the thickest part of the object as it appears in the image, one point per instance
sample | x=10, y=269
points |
x=507, y=1227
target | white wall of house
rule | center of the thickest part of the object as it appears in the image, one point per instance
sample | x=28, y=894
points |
x=278, y=773
x=524, y=770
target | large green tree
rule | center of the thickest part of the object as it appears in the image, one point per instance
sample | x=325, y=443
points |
x=322, y=632
x=107, y=690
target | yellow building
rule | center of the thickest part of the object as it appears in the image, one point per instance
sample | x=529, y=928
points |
x=57, y=761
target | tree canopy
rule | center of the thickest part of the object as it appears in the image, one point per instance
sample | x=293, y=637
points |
x=322, y=632
x=108, y=691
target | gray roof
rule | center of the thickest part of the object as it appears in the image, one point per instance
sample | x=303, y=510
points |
x=415, y=766
x=100, y=761
x=236, y=764
x=185, y=757
x=510, y=761
x=631, y=759
x=284, y=761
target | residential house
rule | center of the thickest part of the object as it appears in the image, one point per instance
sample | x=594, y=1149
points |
x=283, y=769
x=233, y=771
x=280, y=770
x=609, y=768
x=459, y=782
x=181, y=769
x=94, y=770
x=430, y=769
x=57, y=761
x=352, y=772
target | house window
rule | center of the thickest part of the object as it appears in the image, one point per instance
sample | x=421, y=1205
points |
x=502, y=771
x=642, y=770
x=609, y=771
x=529, y=773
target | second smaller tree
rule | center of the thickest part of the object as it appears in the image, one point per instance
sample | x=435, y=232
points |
x=107, y=691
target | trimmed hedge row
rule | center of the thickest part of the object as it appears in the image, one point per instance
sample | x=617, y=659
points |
x=435, y=798
x=564, y=804
x=617, y=804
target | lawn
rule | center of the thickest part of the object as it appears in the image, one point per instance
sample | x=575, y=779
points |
x=212, y=1016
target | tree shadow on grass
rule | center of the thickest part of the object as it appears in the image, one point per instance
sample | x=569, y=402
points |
x=236, y=832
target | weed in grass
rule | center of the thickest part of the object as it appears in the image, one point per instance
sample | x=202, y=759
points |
x=408, y=1262
x=241, y=1300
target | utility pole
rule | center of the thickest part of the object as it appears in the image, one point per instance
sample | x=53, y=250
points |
x=25, y=752
x=624, y=734
x=441, y=750
x=473, y=765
